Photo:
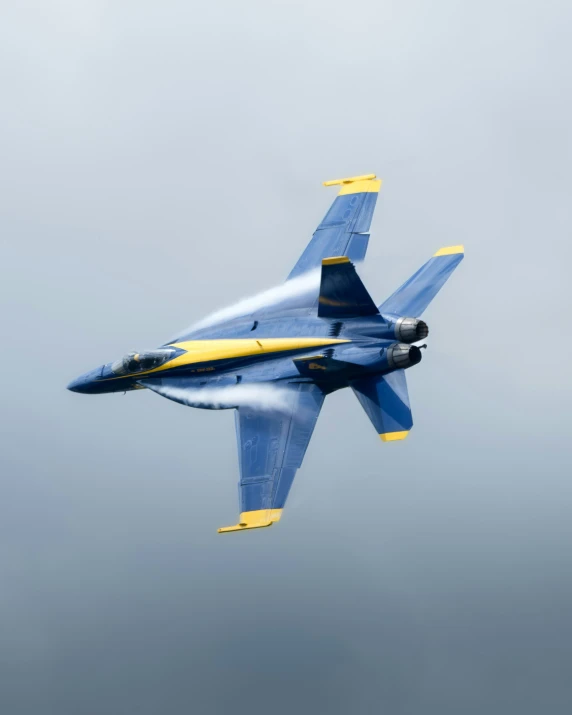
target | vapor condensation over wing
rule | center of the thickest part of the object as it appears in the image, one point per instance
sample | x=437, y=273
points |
x=276, y=296
x=262, y=396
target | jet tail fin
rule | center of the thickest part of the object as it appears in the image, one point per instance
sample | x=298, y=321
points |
x=413, y=297
x=386, y=402
x=342, y=293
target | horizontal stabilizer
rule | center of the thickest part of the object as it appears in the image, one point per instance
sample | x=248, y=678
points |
x=342, y=293
x=386, y=402
x=413, y=297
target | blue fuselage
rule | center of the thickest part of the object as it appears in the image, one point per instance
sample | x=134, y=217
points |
x=334, y=352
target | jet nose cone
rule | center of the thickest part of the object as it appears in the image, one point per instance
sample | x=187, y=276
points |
x=86, y=383
x=77, y=385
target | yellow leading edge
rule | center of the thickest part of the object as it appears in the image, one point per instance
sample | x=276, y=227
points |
x=254, y=520
x=393, y=436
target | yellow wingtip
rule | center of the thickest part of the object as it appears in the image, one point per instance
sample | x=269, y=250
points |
x=393, y=436
x=367, y=183
x=254, y=520
x=349, y=180
x=449, y=250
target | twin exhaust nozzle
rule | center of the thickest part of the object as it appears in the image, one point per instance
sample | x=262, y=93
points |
x=401, y=356
x=410, y=330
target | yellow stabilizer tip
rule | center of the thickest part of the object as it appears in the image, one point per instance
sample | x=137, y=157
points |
x=349, y=180
x=335, y=259
x=449, y=251
x=254, y=520
x=393, y=436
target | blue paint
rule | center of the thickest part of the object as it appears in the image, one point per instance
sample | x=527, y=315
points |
x=272, y=442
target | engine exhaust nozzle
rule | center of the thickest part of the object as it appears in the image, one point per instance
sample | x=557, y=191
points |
x=401, y=356
x=410, y=330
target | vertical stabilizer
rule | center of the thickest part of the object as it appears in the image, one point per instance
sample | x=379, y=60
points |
x=413, y=297
x=386, y=402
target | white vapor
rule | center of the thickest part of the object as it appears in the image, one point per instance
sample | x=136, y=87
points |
x=260, y=396
x=294, y=288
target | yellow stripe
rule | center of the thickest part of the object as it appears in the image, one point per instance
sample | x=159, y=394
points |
x=335, y=259
x=254, y=520
x=393, y=436
x=197, y=351
x=449, y=250
x=360, y=187
x=207, y=350
x=349, y=180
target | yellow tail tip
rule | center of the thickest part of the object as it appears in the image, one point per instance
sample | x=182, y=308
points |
x=449, y=250
x=393, y=436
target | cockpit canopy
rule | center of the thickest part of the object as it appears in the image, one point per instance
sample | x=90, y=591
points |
x=142, y=362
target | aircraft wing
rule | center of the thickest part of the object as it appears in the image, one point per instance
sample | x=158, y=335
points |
x=344, y=229
x=271, y=447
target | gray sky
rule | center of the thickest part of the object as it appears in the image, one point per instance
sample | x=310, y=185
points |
x=159, y=160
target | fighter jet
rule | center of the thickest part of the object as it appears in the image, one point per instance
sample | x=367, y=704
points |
x=276, y=364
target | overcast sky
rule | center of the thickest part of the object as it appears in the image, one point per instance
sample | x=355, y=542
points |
x=162, y=159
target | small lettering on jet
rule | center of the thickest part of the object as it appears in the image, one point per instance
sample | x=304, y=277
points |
x=316, y=366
